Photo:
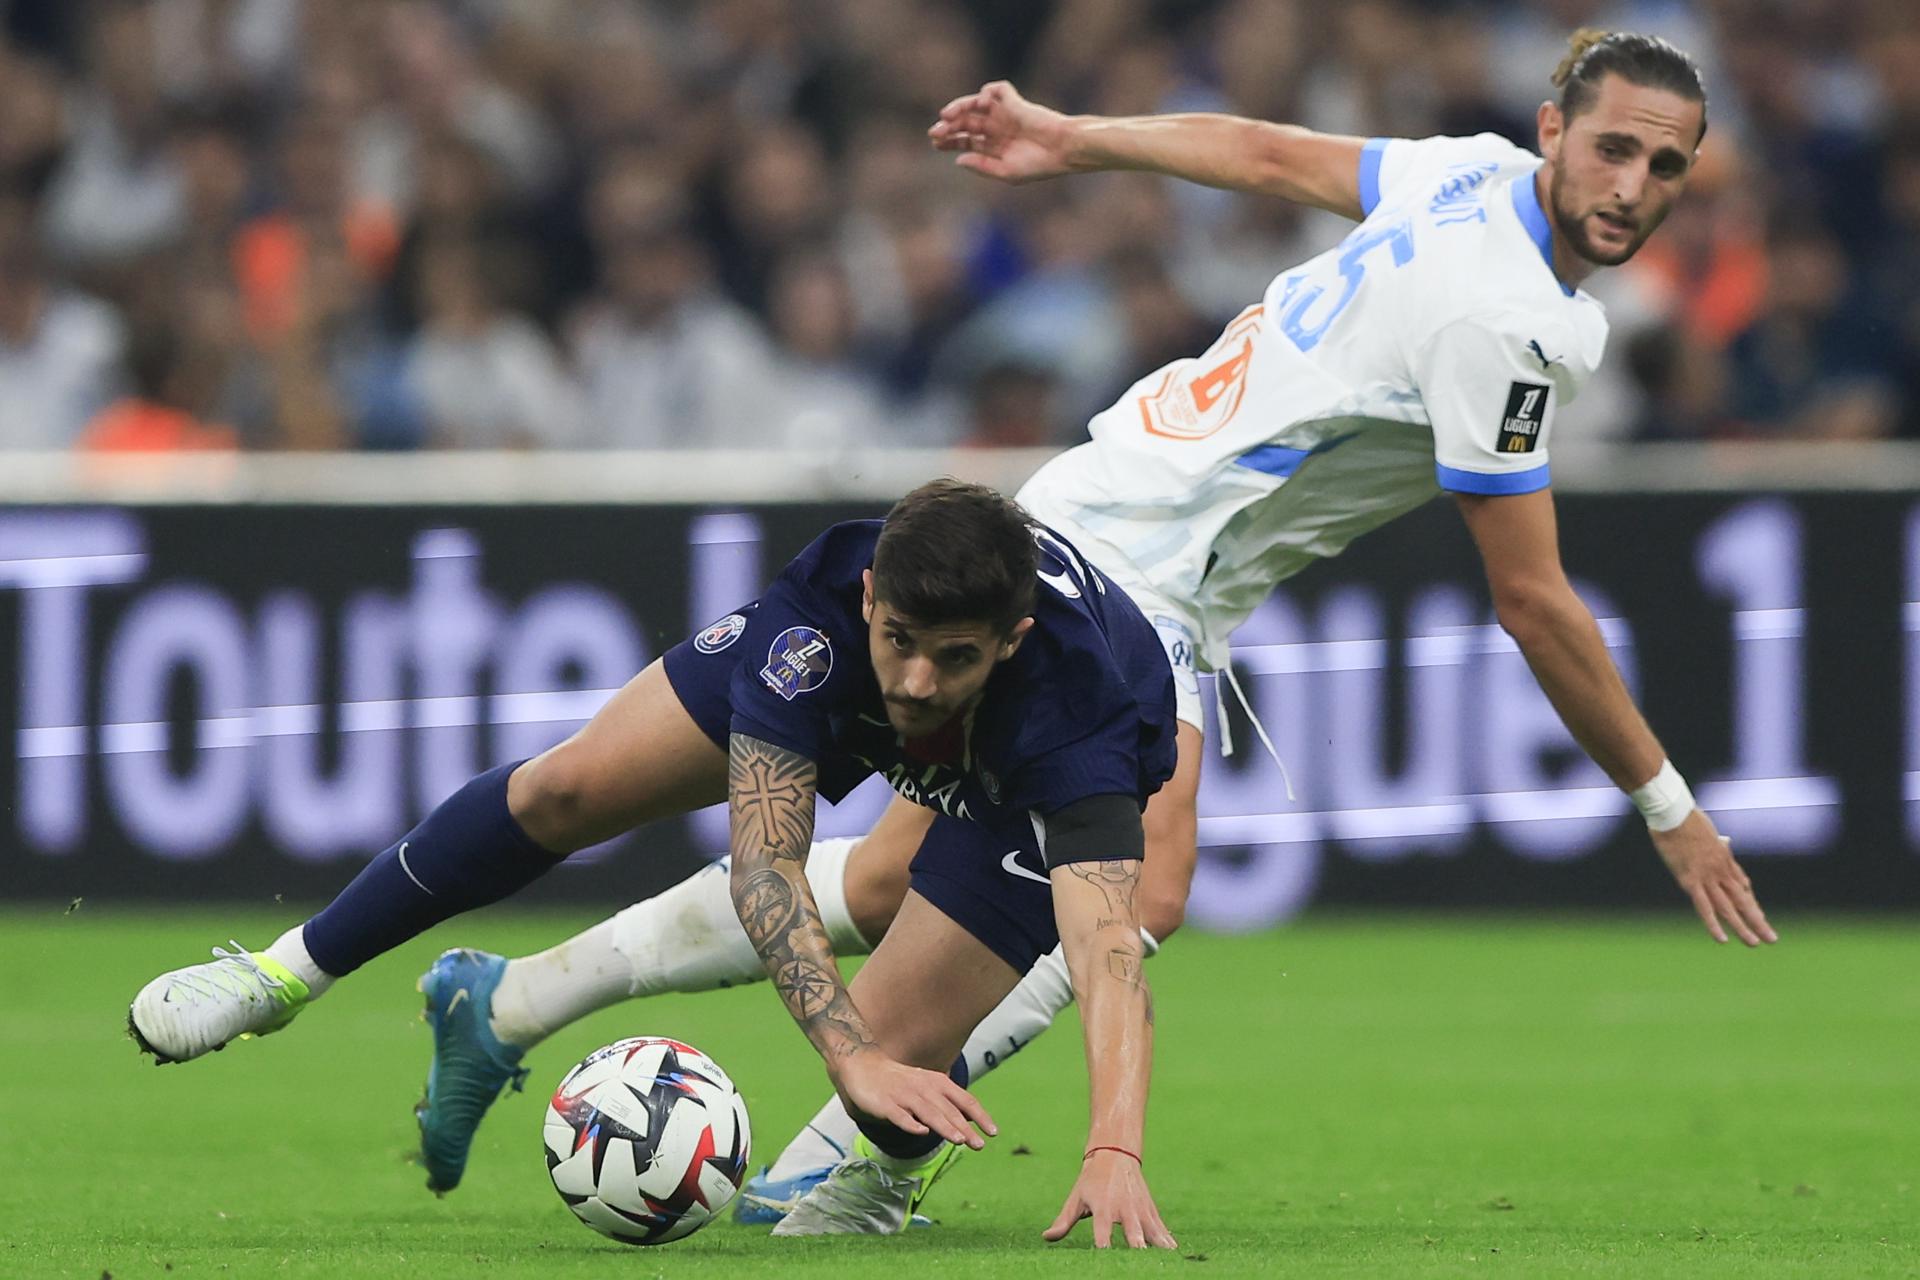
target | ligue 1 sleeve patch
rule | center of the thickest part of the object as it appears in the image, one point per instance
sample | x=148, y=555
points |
x=721, y=634
x=799, y=661
x=1526, y=415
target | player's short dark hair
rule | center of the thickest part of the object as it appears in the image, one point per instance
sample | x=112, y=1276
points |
x=957, y=552
x=1648, y=61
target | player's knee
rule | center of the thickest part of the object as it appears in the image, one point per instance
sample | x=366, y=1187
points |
x=1163, y=909
x=1172, y=832
x=875, y=887
x=551, y=797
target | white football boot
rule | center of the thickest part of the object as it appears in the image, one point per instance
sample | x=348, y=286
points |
x=861, y=1197
x=192, y=1011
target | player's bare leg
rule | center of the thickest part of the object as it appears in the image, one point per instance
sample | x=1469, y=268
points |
x=928, y=984
x=642, y=757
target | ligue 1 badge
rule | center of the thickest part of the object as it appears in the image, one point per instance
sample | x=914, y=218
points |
x=799, y=661
x=721, y=634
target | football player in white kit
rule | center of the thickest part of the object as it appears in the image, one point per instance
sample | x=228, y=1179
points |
x=1426, y=353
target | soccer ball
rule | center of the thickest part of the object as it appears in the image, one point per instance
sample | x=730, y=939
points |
x=647, y=1140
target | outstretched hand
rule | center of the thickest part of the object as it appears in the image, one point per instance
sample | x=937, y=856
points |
x=1112, y=1191
x=1701, y=859
x=999, y=134
x=913, y=1099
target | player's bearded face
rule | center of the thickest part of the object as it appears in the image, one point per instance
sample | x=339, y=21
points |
x=930, y=672
x=1619, y=167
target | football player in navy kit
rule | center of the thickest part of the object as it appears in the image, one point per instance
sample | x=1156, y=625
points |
x=972, y=658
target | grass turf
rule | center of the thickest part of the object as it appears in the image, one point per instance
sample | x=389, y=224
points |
x=1347, y=1097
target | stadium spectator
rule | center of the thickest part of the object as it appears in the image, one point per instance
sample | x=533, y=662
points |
x=1813, y=365
x=1012, y=408
x=248, y=140
x=117, y=192
x=484, y=376
x=59, y=349
x=175, y=387
x=666, y=360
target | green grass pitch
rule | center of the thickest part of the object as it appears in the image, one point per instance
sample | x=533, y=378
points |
x=1401, y=1096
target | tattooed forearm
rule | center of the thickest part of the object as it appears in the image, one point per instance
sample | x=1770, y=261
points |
x=766, y=906
x=1094, y=904
x=770, y=796
x=770, y=801
x=1116, y=881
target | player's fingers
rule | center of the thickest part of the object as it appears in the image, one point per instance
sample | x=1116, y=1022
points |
x=1157, y=1234
x=960, y=106
x=984, y=165
x=1703, y=907
x=946, y=1120
x=973, y=1109
x=1724, y=906
x=1750, y=909
x=952, y=1120
x=1102, y=1227
x=1745, y=899
x=902, y=1118
x=1132, y=1228
x=1071, y=1212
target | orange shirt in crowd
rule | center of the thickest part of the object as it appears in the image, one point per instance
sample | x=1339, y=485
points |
x=141, y=426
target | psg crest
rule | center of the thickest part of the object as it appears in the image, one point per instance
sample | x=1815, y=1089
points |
x=800, y=660
x=721, y=634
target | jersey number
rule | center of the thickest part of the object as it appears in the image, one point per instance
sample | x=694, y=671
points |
x=1193, y=408
x=1304, y=330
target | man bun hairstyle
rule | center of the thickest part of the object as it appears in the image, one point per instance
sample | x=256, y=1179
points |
x=957, y=552
x=1648, y=61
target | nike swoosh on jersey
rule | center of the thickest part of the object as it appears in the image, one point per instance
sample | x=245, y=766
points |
x=1062, y=583
x=1011, y=865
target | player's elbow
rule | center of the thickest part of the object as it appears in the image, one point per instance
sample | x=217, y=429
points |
x=1530, y=609
x=1280, y=158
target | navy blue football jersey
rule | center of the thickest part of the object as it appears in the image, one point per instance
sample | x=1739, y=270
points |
x=1084, y=708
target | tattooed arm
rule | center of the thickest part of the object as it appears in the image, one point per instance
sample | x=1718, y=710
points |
x=770, y=794
x=1093, y=903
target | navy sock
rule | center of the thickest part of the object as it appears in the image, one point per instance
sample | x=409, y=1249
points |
x=897, y=1142
x=467, y=853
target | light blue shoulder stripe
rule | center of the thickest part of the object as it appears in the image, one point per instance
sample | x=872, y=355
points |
x=1370, y=156
x=1454, y=480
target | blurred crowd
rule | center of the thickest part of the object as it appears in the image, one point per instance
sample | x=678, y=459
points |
x=400, y=224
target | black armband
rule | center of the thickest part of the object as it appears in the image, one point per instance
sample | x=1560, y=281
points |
x=1096, y=829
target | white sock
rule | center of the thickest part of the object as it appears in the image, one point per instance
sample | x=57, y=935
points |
x=1029, y=1009
x=290, y=949
x=685, y=939
x=827, y=1140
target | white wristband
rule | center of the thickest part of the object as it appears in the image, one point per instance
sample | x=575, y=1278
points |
x=1665, y=801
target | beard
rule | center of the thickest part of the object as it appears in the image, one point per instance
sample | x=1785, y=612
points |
x=1574, y=228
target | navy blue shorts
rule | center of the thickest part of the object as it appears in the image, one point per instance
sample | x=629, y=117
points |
x=998, y=894
x=700, y=669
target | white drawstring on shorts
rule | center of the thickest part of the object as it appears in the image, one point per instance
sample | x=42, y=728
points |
x=1226, y=731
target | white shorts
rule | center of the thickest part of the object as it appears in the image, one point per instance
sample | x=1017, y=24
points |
x=1177, y=625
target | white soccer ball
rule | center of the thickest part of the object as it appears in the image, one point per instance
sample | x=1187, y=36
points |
x=647, y=1140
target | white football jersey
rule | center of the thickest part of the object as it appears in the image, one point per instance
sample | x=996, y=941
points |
x=1425, y=352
